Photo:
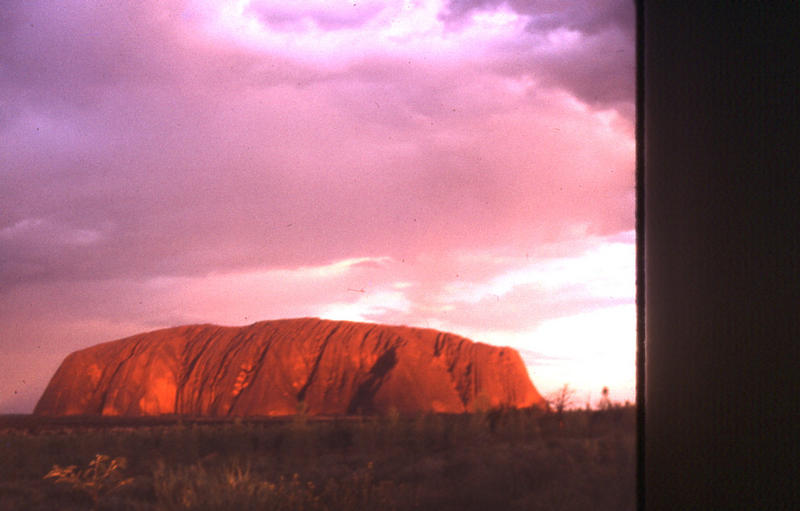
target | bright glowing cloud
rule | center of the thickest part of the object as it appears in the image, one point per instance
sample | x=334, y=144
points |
x=375, y=303
x=605, y=271
x=596, y=349
x=329, y=34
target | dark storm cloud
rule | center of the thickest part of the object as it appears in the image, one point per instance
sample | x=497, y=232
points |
x=598, y=69
x=589, y=16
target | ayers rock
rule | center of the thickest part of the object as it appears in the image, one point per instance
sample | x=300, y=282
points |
x=278, y=367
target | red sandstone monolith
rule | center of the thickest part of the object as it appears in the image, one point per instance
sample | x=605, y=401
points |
x=279, y=367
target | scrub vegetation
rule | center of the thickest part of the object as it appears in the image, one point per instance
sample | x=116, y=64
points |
x=497, y=459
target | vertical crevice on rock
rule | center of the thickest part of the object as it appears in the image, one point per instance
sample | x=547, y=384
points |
x=301, y=394
x=216, y=388
x=187, y=368
x=256, y=366
x=438, y=344
x=117, y=368
x=364, y=397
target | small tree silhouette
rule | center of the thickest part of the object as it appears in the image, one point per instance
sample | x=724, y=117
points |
x=560, y=400
x=605, y=402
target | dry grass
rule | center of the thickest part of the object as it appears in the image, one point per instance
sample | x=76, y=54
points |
x=512, y=459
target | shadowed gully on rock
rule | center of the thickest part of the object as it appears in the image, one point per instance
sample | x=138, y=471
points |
x=279, y=367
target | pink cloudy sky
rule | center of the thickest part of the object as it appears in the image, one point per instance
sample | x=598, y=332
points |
x=463, y=165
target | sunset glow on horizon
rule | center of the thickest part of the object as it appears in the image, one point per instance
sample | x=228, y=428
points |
x=466, y=166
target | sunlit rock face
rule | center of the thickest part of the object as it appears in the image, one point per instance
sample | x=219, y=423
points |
x=280, y=367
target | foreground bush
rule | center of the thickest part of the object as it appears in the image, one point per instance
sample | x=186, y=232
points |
x=101, y=477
